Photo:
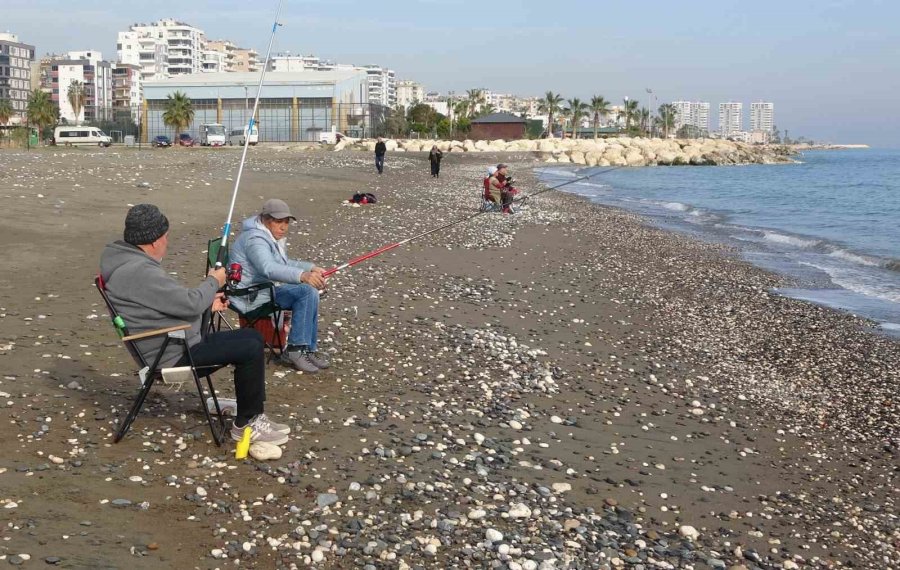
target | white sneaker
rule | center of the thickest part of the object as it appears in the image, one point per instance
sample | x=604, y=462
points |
x=281, y=428
x=263, y=431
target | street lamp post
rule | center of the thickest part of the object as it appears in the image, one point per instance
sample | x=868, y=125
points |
x=626, y=113
x=649, y=113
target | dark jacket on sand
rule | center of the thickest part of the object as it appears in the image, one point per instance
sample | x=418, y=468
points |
x=380, y=148
x=148, y=298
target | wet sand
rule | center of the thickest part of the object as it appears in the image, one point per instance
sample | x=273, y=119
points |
x=566, y=387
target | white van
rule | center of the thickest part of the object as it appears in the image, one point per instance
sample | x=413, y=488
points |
x=237, y=136
x=212, y=134
x=69, y=136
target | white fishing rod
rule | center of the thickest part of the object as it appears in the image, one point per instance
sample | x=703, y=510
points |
x=237, y=181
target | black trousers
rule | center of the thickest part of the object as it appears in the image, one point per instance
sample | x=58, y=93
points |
x=243, y=348
x=435, y=169
x=379, y=163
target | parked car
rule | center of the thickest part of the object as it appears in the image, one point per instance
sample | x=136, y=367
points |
x=185, y=139
x=161, y=140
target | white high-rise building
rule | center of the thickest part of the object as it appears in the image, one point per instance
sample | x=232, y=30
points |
x=382, y=82
x=15, y=73
x=163, y=49
x=409, y=93
x=382, y=85
x=95, y=75
x=762, y=117
x=692, y=113
x=731, y=118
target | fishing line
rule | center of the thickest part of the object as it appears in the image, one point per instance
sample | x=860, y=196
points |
x=237, y=180
x=389, y=247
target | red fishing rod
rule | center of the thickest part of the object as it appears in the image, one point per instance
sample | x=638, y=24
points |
x=389, y=247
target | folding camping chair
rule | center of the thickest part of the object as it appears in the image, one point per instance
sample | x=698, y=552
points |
x=152, y=372
x=273, y=339
x=487, y=205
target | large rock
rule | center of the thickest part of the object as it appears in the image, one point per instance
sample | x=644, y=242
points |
x=634, y=158
x=577, y=157
x=390, y=145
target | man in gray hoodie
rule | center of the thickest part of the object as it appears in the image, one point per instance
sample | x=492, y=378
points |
x=261, y=249
x=148, y=298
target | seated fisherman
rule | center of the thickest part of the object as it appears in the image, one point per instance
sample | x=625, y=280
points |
x=261, y=251
x=489, y=195
x=148, y=298
x=506, y=190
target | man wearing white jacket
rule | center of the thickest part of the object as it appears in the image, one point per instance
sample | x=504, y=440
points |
x=261, y=251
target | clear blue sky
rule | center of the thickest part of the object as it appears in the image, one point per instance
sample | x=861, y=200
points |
x=832, y=67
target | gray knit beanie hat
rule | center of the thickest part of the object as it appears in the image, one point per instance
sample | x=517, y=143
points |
x=144, y=224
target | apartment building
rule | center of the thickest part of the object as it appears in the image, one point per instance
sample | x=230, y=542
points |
x=246, y=60
x=163, y=49
x=127, y=92
x=95, y=74
x=409, y=93
x=15, y=73
x=692, y=113
x=731, y=118
x=762, y=117
x=382, y=82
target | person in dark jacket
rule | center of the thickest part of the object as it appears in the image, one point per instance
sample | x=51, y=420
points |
x=149, y=298
x=380, y=149
x=435, y=157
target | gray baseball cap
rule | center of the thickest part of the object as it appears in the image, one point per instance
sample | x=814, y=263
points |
x=278, y=209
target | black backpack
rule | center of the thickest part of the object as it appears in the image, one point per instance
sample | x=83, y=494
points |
x=363, y=198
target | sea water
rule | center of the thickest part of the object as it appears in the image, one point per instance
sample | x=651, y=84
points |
x=832, y=222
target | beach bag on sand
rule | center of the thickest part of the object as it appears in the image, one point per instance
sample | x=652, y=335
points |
x=363, y=198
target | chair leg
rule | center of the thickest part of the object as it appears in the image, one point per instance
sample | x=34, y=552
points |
x=218, y=432
x=135, y=409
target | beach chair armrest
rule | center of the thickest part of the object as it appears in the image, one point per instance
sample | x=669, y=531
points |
x=157, y=332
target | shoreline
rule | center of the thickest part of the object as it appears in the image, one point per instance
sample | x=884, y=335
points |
x=550, y=376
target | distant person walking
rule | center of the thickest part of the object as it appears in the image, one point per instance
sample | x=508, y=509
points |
x=380, y=149
x=435, y=157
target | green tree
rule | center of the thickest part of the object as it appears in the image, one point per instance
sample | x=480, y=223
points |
x=629, y=111
x=643, y=119
x=474, y=100
x=576, y=110
x=666, y=118
x=75, y=94
x=688, y=132
x=179, y=112
x=443, y=128
x=486, y=109
x=395, y=124
x=41, y=111
x=551, y=104
x=599, y=107
x=6, y=110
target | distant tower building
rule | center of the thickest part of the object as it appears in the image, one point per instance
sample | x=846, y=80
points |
x=15, y=73
x=95, y=74
x=409, y=93
x=692, y=113
x=731, y=118
x=762, y=117
x=162, y=49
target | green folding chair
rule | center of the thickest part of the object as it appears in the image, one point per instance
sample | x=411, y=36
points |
x=267, y=310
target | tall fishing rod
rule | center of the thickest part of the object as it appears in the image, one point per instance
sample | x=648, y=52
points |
x=389, y=247
x=237, y=180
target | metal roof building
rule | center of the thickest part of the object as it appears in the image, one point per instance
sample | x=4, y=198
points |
x=295, y=106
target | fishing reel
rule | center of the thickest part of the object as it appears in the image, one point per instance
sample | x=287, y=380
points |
x=233, y=274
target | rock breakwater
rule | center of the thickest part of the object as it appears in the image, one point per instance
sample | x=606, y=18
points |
x=622, y=151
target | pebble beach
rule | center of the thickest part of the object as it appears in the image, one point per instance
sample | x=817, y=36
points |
x=566, y=387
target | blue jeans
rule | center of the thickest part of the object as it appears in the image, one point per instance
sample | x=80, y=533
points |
x=303, y=301
x=379, y=162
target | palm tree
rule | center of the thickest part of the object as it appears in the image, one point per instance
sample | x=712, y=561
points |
x=40, y=110
x=666, y=118
x=643, y=118
x=179, y=113
x=576, y=110
x=628, y=111
x=475, y=99
x=550, y=104
x=75, y=95
x=6, y=110
x=599, y=107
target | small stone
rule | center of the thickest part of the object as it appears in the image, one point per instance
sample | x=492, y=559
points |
x=326, y=499
x=561, y=487
x=688, y=532
x=493, y=535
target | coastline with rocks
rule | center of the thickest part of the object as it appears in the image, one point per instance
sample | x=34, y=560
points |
x=567, y=387
x=621, y=151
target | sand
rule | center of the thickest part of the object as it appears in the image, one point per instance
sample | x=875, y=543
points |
x=665, y=384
